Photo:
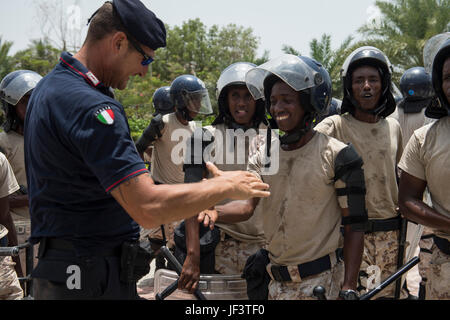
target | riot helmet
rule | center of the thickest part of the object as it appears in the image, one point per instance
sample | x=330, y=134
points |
x=333, y=109
x=417, y=90
x=431, y=47
x=234, y=75
x=161, y=101
x=440, y=106
x=302, y=74
x=189, y=93
x=13, y=88
x=368, y=56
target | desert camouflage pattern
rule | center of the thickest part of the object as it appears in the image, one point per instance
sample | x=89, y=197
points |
x=9, y=283
x=426, y=245
x=331, y=280
x=438, y=276
x=23, y=231
x=379, y=262
x=232, y=254
x=156, y=233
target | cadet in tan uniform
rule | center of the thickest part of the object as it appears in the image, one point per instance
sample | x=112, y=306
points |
x=15, y=90
x=240, y=118
x=303, y=216
x=425, y=163
x=9, y=284
x=190, y=98
x=367, y=102
x=162, y=104
x=417, y=91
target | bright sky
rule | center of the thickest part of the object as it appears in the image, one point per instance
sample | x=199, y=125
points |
x=279, y=22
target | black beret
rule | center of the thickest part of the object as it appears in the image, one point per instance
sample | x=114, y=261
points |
x=141, y=23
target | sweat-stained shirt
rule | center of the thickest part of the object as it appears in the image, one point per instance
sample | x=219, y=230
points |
x=12, y=144
x=427, y=157
x=168, y=150
x=250, y=231
x=302, y=216
x=380, y=146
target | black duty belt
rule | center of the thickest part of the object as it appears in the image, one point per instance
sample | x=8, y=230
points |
x=307, y=269
x=442, y=244
x=4, y=242
x=383, y=225
x=65, y=245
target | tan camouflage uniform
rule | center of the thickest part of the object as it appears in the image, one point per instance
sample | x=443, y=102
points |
x=10, y=288
x=426, y=246
x=379, y=262
x=302, y=289
x=232, y=254
x=438, y=276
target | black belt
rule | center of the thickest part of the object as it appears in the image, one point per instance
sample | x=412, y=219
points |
x=307, y=269
x=383, y=225
x=4, y=242
x=442, y=244
x=65, y=245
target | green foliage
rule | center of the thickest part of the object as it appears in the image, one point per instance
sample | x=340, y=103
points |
x=332, y=60
x=40, y=57
x=6, y=65
x=404, y=28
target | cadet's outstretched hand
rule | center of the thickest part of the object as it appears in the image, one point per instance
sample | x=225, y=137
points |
x=243, y=184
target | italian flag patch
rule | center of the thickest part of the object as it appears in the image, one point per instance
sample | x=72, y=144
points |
x=105, y=115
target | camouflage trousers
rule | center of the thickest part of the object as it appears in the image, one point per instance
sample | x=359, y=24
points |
x=10, y=288
x=156, y=233
x=438, y=276
x=331, y=280
x=379, y=262
x=231, y=255
x=425, y=244
x=23, y=231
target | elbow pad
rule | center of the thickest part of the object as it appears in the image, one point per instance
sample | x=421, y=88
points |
x=194, y=164
x=348, y=168
x=150, y=134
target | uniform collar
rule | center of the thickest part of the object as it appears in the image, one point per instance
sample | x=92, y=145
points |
x=68, y=61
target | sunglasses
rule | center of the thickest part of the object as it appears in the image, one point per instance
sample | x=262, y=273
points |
x=147, y=59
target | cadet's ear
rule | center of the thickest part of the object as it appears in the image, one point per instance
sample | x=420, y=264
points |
x=119, y=42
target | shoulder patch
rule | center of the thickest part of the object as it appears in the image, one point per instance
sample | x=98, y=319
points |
x=105, y=115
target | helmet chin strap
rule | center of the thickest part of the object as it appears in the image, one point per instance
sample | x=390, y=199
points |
x=296, y=135
x=375, y=111
x=185, y=114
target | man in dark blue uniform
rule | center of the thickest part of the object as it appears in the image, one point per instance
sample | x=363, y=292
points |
x=88, y=187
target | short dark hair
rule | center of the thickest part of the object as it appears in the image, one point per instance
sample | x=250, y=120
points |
x=104, y=22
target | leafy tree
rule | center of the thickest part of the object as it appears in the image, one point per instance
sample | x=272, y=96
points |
x=332, y=60
x=40, y=57
x=5, y=59
x=404, y=27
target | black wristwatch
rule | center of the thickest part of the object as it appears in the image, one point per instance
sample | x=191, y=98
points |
x=348, y=294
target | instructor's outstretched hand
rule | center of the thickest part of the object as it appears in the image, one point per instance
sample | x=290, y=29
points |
x=244, y=185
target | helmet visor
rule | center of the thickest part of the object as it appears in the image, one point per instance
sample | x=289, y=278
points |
x=19, y=87
x=289, y=68
x=233, y=75
x=198, y=102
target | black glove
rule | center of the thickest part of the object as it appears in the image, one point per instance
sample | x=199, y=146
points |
x=150, y=134
x=194, y=164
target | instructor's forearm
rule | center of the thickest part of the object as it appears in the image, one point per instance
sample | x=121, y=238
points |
x=152, y=205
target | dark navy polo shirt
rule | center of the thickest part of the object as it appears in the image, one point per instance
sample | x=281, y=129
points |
x=78, y=148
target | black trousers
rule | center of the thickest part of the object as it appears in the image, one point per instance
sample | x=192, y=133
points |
x=60, y=275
